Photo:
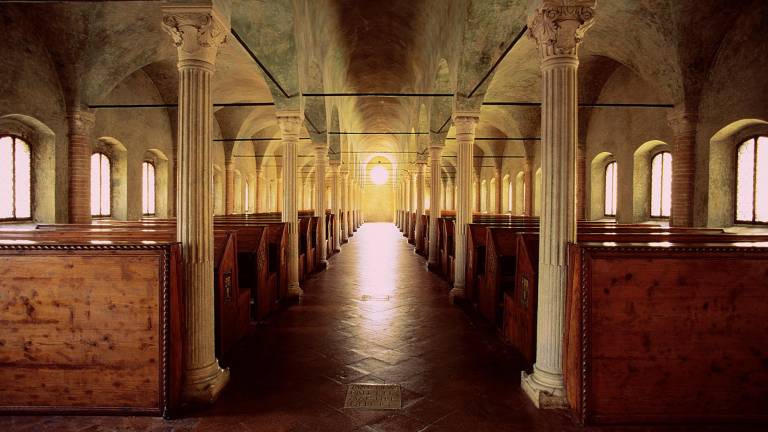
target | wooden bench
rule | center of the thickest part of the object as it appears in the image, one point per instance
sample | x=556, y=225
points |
x=91, y=328
x=667, y=332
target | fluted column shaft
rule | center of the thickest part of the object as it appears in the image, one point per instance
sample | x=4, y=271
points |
x=435, y=156
x=683, y=167
x=408, y=203
x=465, y=140
x=79, y=158
x=335, y=205
x=559, y=132
x=420, y=186
x=229, y=185
x=321, y=154
x=280, y=196
x=257, y=179
x=528, y=186
x=290, y=123
x=344, y=205
x=197, y=35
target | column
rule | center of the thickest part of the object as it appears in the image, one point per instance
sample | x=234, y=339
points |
x=499, y=192
x=197, y=33
x=557, y=30
x=408, y=203
x=478, y=193
x=350, y=204
x=321, y=154
x=290, y=124
x=465, y=124
x=335, y=204
x=683, y=125
x=256, y=195
x=279, y=193
x=229, y=186
x=581, y=179
x=80, y=124
x=528, y=186
x=418, y=232
x=344, y=204
x=435, y=156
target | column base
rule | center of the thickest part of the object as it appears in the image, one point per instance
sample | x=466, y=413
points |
x=203, y=386
x=433, y=267
x=322, y=265
x=294, y=290
x=543, y=396
x=456, y=293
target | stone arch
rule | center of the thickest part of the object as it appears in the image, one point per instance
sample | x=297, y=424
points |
x=641, y=178
x=118, y=158
x=722, y=169
x=42, y=146
x=163, y=193
x=597, y=184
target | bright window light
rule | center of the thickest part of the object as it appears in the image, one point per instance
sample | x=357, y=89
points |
x=379, y=175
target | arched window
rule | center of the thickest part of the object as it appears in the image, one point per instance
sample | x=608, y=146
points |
x=15, y=179
x=247, y=205
x=661, y=184
x=101, y=177
x=752, y=181
x=148, y=188
x=611, y=195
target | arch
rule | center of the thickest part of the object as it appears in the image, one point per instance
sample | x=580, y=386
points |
x=641, y=178
x=42, y=147
x=218, y=190
x=597, y=184
x=721, y=208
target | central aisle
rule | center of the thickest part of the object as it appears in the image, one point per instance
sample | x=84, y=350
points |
x=293, y=372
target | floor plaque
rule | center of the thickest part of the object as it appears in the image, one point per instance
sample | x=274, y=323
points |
x=373, y=397
x=368, y=297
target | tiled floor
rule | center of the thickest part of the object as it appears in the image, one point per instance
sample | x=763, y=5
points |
x=291, y=374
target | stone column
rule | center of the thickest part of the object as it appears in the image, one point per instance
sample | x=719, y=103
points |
x=420, y=184
x=499, y=192
x=465, y=124
x=80, y=124
x=528, y=186
x=335, y=204
x=557, y=30
x=683, y=125
x=435, y=156
x=344, y=203
x=478, y=193
x=197, y=32
x=279, y=193
x=408, y=202
x=290, y=125
x=257, y=179
x=350, y=205
x=581, y=180
x=321, y=155
x=229, y=186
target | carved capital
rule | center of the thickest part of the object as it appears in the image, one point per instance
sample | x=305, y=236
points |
x=558, y=27
x=197, y=32
x=465, y=123
x=290, y=124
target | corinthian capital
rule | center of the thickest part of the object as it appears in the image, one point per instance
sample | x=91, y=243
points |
x=197, y=31
x=558, y=26
x=289, y=123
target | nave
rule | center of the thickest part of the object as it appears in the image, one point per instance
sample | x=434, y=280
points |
x=291, y=373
